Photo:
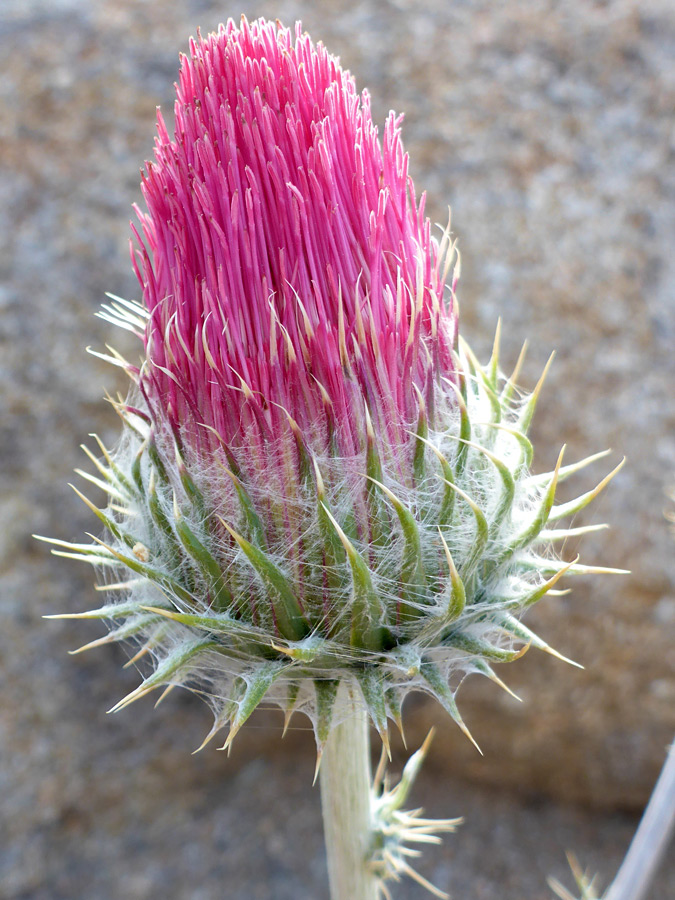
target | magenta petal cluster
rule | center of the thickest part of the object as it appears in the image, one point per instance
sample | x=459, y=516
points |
x=287, y=266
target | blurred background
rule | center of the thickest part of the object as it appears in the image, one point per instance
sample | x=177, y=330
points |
x=548, y=127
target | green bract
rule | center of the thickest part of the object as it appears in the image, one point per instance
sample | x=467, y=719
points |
x=402, y=573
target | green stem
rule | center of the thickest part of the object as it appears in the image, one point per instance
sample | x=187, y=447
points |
x=345, y=800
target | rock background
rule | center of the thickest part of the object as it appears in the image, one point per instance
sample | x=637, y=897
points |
x=548, y=127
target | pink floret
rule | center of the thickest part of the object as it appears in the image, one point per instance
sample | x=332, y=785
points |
x=286, y=263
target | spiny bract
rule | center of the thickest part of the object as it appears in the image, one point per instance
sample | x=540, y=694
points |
x=317, y=481
x=393, y=577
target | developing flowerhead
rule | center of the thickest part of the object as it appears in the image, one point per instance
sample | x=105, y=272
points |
x=317, y=481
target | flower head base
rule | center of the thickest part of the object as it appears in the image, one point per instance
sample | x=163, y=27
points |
x=318, y=482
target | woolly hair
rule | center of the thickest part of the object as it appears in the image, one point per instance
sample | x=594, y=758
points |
x=398, y=577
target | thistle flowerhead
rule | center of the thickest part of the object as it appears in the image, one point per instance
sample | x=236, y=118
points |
x=317, y=483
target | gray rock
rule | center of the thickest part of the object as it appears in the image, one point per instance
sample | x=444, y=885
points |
x=548, y=127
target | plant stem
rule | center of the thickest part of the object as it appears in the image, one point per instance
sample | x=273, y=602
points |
x=651, y=839
x=345, y=800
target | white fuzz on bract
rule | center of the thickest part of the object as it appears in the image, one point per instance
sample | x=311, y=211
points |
x=200, y=587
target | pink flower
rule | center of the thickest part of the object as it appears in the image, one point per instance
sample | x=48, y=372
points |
x=315, y=485
x=285, y=261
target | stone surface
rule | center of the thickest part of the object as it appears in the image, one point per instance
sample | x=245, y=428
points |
x=548, y=127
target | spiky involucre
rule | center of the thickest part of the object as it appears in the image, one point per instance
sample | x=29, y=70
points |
x=316, y=481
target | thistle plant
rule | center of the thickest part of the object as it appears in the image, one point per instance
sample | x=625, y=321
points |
x=320, y=499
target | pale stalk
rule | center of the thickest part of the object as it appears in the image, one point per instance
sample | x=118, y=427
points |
x=345, y=799
x=651, y=839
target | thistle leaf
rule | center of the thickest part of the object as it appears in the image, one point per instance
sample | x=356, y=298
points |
x=308, y=649
x=155, y=575
x=480, y=666
x=527, y=412
x=482, y=534
x=192, y=492
x=492, y=368
x=516, y=629
x=253, y=522
x=455, y=593
x=407, y=658
x=540, y=519
x=209, y=567
x=157, y=513
x=438, y=687
x=566, y=472
x=77, y=550
x=422, y=435
x=291, y=701
x=373, y=462
x=215, y=624
x=512, y=381
x=137, y=469
x=508, y=481
x=379, y=520
x=109, y=611
x=109, y=523
x=543, y=589
x=92, y=559
x=110, y=471
x=326, y=695
x=367, y=631
x=563, y=534
x=447, y=505
x=398, y=795
x=574, y=506
x=551, y=566
x=157, y=461
x=525, y=446
x=258, y=682
x=482, y=376
x=105, y=486
x=394, y=703
x=287, y=611
x=130, y=628
x=411, y=577
x=172, y=665
x=479, y=648
x=225, y=713
x=372, y=684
